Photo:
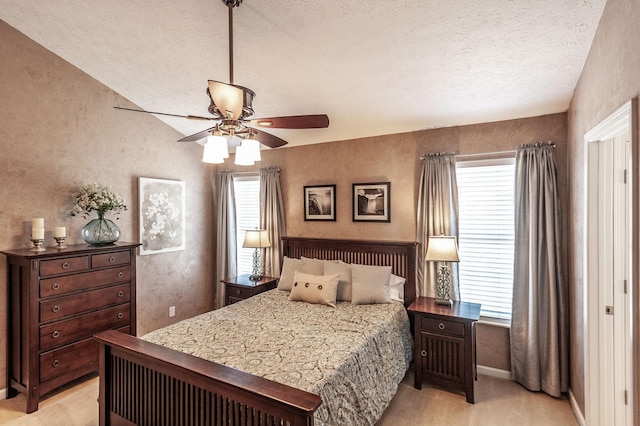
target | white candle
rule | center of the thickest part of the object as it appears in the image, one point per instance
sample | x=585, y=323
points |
x=37, y=222
x=37, y=233
x=59, y=231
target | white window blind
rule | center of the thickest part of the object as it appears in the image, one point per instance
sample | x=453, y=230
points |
x=486, y=241
x=247, y=192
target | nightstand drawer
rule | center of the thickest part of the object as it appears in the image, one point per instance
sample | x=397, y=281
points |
x=440, y=326
x=239, y=292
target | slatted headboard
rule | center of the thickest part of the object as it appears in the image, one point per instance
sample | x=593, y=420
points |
x=400, y=255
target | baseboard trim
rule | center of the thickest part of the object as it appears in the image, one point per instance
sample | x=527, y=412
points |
x=576, y=409
x=3, y=393
x=494, y=372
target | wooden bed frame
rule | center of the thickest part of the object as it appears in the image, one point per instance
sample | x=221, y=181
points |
x=142, y=383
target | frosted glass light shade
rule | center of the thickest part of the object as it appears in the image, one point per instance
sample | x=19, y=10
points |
x=243, y=156
x=215, y=150
x=253, y=148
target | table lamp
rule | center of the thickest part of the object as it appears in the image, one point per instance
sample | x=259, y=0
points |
x=442, y=249
x=257, y=239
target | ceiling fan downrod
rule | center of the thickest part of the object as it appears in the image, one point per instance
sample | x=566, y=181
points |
x=231, y=4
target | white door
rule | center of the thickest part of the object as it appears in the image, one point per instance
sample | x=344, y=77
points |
x=608, y=273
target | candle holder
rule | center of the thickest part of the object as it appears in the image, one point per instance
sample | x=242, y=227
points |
x=60, y=241
x=37, y=244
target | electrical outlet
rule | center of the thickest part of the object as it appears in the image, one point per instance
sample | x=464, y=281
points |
x=172, y=311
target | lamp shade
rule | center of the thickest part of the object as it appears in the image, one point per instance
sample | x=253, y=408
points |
x=253, y=147
x=215, y=150
x=256, y=238
x=442, y=249
x=243, y=156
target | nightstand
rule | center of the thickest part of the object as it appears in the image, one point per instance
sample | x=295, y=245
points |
x=241, y=287
x=444, y=344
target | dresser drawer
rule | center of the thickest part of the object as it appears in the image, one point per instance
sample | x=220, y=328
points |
x=61, y=285
x=239, y=292
x=66, y=331
x=64, y=265
x=79, y=355
x=111, y=259
x=83, y=302
x=439, y=326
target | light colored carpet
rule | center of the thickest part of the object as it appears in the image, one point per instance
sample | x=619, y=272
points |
x=498, y=402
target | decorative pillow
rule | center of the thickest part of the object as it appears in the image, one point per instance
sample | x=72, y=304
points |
x=396, y=288
x=289, y=267
x=344, y=285
x=312, y=266
x=370, y=284
x=319, y=289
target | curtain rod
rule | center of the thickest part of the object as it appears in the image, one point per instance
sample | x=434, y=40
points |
x=487, y=154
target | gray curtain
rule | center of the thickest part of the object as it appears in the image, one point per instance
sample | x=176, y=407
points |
x=272, y=219
x=226, y=241
x=437, y=215
x=539, y=332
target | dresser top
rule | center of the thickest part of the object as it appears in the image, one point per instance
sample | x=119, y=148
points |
x=463, y=310
x=71, y=249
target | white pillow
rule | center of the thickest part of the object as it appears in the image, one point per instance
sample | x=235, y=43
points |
x=370, y=284
x=312, y=266
x=396, y=288
x=289, y=267
x=319, y=289
x=344, y=285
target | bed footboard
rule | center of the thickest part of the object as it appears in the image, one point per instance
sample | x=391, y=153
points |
x=142, y=383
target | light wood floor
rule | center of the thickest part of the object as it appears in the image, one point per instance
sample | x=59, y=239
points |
x=498, y=402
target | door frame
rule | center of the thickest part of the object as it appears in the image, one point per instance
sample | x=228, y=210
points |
x=617, y=123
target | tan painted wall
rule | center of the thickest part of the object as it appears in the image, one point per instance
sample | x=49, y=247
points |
x=610, y=77
x=395, y=158
x=58, y=131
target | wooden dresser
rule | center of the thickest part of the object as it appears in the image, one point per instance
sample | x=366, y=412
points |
x=445, y=339
x=58, y=299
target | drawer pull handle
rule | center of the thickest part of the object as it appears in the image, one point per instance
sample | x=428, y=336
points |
x=120, y=274
x=238, y=292
x=56, y=308
x=120, y=293
x=55, y=286
x=65, y=265
x=112, y=259
x=441, y=326
x=423, y=352
x=55, y=334
x=56, y=363
x=120, y=315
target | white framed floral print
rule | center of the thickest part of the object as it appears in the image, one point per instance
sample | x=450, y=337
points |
x=161, y=221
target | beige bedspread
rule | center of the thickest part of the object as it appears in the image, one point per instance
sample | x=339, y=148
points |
x=353, y=356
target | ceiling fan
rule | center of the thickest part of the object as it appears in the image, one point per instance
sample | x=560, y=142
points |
x=232, y=109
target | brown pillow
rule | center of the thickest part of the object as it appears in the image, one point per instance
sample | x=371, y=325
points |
x=319, y=289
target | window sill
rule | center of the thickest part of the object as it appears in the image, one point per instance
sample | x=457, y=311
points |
x=495, y=322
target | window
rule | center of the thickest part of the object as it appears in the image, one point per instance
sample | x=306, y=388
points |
x=486, y=241
x=247, y=192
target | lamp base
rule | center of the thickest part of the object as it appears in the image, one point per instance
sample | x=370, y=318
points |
x=255, y=277
x=444, y=302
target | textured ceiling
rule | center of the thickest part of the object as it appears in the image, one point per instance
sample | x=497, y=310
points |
x=375, y=67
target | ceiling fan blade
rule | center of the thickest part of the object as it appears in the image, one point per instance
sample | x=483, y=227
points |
x=268, y=139
x=197, y=136
x=190, y=117
x=317, y=121
x=227, y=99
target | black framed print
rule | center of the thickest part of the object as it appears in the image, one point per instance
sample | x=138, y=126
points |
x=320, y=202
x=372, y=202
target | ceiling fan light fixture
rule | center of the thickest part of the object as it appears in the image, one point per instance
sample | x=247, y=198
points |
x=253, y=147
x=243, y=156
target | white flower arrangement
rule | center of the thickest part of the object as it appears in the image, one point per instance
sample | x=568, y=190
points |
x=99, y=198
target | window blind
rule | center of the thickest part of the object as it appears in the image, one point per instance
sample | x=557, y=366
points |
x=247, y=192
x=486, y=234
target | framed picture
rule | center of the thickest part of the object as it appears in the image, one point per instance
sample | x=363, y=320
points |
x=372, y=202
x=162, y=216
x=320, y=202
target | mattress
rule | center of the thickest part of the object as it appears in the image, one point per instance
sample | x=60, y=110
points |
x=353, y=356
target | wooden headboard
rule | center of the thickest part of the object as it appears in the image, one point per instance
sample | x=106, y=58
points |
x=400, y=255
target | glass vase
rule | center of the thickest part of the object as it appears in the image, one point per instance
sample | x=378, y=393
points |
x=100, y=231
